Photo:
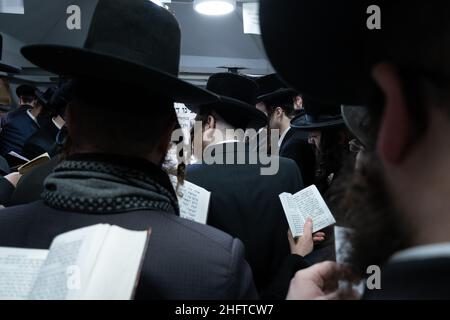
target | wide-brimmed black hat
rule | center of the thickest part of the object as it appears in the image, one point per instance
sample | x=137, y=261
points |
x=326, y=58
x=271, y=87
x=237, y=99
x=26, y=90
x=44, y=97
x=8, y=68
x=131, y=41
x=357, y=120
x=318, y=116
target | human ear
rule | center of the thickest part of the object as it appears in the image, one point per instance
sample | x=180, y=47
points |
x=396, y=125
x=211, y=122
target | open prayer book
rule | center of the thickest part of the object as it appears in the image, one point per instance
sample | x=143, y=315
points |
x=14, y=159
x=307, y=203
x=193, y=200
x=23, y=169
x=100, y=262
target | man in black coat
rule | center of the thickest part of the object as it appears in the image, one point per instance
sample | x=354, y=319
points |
x=27, y=101
x=277, y=102
x=244, y=200
x=113, y=173
x=17, y=130
x=50, y=122
x=398, y=201
x=20, y=124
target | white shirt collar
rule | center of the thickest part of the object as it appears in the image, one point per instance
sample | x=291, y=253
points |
x=280, y=142
x=437, y=250
x=59, y=126
x=31, y=116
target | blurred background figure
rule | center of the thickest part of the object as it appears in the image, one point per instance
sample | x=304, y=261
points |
x=244, y=203
x=278, y=103
x=20, y=124
x=329, y=138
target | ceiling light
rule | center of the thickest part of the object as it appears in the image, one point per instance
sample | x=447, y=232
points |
x=214, y=7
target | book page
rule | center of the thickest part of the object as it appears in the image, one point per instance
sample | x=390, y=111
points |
x=18, y=156
x=69, y=264
x=293, y=216
x=33, y=163
x=311, y=205
x=193, y=201
x=117, y=268
x=343, y=248
x=18, y=271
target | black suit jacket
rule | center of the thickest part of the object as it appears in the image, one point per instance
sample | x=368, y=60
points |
x=295, y=146
x=18, y=129
x=415, y=279
x=246, y=205
x=31, y=185
x=43, y=140
x=184, y=260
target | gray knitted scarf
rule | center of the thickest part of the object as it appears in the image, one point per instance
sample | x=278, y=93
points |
x=98, y=187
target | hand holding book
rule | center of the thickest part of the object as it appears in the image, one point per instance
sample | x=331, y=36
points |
x=307, y=203
x=304, y=244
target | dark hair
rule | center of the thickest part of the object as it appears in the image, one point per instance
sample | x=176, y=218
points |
x=27, y=99
x=118, y=122
x=286, y=103
x=227, y=114
x=333, y=153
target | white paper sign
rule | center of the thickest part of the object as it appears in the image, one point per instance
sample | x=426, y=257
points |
x=12, y=6
x=250, y=15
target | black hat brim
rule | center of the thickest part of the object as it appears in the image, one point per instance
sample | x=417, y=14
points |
x=301, y=123
x=79, y=62
x=239, y=109
x=277, y=94
x=327, y=63
x=356, y=119
x=9, y=68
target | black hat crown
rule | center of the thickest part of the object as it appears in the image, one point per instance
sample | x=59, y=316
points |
x=120, y=35
x=26, y=90
x=134, y=41
x=269, y=84
x=234, y=86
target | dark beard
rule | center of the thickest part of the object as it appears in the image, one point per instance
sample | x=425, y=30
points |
x=360, y=201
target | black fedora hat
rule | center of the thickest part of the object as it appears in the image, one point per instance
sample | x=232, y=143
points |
x=327, y=60
x=26, y=90
x=134, y=41
x=237, y=99
x=271, y=87
x=8, y=68
x=318, y=116
x=44, y=97
x=357, y=120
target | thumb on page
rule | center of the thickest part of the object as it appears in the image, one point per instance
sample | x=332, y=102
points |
x=308, y=228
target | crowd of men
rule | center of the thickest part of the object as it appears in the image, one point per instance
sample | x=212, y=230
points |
x=361, y=113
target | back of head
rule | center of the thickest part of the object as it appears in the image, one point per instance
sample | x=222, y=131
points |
x=117, y=121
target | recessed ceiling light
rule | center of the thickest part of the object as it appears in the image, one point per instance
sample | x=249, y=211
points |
x=214, y=7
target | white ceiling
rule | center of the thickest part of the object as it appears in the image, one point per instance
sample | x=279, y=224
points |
x=207, y=42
